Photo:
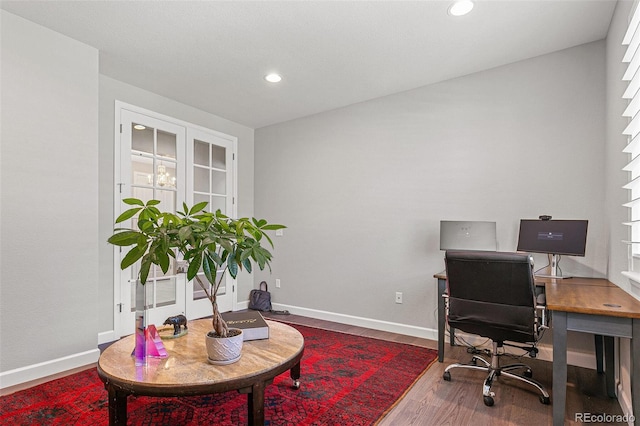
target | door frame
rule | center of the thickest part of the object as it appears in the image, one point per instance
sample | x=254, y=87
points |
x=119, y=106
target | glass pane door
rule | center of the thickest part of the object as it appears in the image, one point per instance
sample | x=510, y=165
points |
x=152, y=167
x=210, y=179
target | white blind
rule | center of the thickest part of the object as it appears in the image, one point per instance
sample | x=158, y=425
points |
x=632, y=93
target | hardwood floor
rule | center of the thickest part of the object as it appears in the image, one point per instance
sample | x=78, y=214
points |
x=433, y=401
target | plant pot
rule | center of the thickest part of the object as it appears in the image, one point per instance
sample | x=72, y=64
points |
x=224, y=350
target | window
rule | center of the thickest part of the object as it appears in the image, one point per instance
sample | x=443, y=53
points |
x=632, y=94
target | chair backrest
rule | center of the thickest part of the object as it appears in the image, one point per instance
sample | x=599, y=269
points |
x=492, y=294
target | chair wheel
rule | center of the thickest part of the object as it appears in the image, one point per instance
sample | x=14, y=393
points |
x=545, y=400
x=447, y=376
x=528, y=373
x=488, y=401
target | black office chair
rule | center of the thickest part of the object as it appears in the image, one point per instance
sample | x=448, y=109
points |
x=492, y=294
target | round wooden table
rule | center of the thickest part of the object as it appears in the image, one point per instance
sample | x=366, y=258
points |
x=186, y=372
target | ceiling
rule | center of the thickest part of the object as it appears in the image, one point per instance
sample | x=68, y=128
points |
x=213, y=55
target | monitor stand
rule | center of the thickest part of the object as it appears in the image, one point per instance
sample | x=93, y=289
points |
x=555, y=259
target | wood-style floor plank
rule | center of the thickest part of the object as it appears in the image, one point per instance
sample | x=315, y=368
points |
x=434, y=401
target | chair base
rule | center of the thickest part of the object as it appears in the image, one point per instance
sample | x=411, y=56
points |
x=494, y=369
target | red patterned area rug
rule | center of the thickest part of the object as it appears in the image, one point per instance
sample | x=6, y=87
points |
x=346, y=380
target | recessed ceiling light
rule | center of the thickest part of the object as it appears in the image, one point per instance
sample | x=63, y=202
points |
x=273, y=78
x=460, y=8
x=139, y=127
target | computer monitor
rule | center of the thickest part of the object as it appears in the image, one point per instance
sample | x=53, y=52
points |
x=554, y=237
x=468, y=235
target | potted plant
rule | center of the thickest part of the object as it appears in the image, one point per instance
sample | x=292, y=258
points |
x=205, y=241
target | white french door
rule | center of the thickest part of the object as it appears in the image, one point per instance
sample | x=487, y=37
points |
x=152, y=158
x=211, y=179
x=163, y=159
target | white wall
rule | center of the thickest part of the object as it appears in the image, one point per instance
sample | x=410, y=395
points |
x=112, y=90
x=56, y=193
x=48, y=180
x=363, y=188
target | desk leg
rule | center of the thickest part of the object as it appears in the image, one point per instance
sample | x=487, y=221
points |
x=117, y=407
x=442, y=284
x=605, y=353
x=559, y=366
x=442, y=320
x=598, y=338
x=609, y=354
x=255, y=402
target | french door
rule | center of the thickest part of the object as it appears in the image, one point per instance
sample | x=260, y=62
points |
x=211, y=159
x=162, y=159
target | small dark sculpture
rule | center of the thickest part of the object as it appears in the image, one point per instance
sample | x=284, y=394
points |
x=176, y=321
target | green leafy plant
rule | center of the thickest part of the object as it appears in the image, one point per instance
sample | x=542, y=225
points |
x=208, y=242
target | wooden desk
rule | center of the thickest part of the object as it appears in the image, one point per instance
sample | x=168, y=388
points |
x=588, y=305
x=604, y=344
x=442, y=317
x=591, y=306
x=186, y=371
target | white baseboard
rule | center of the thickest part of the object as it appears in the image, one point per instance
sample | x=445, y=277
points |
x=48, y=368
x=409, y=330
x=107, y=337
x=545, y=353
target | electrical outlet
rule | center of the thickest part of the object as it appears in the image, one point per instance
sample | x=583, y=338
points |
x=398, y=297
x=277, y=282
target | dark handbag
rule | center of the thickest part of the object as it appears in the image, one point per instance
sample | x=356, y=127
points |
x=260, y=300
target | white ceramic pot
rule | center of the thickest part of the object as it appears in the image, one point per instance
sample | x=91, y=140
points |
x=224, y=350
